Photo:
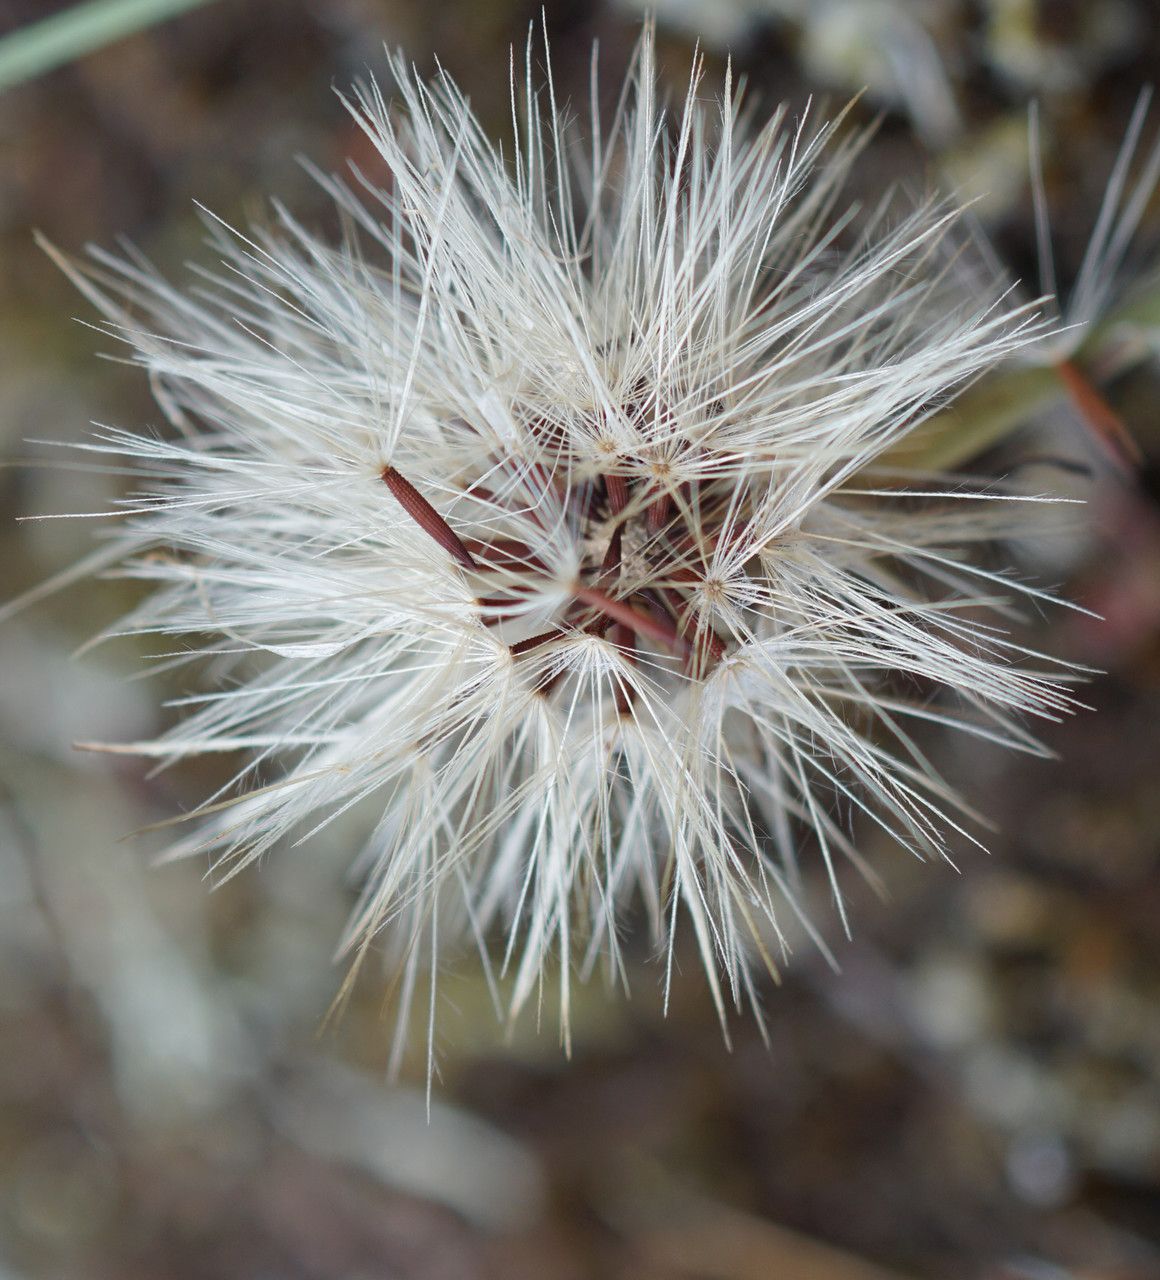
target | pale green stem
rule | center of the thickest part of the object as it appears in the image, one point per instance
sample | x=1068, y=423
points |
x=41, y=46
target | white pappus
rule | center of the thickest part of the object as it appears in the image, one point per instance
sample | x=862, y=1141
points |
x=543, y=514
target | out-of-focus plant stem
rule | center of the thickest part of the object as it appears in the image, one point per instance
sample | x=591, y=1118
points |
x=52, y=42
x=1001, y=403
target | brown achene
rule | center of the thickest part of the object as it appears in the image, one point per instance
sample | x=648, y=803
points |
x=663, y=615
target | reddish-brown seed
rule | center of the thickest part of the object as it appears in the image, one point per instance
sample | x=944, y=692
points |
x=712, y=642
x=534, y=642
x=599, y=627
x=611, y=559
x=426, y=517
x=658, y=629
x=659, y=512
x=617, y=489
x=500, y=608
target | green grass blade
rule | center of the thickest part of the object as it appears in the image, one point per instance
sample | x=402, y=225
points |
x=52, y=42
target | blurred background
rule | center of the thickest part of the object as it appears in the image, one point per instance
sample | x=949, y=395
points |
x=975, y=1094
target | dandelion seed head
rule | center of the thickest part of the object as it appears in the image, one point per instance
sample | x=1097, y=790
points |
x=543, y=516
